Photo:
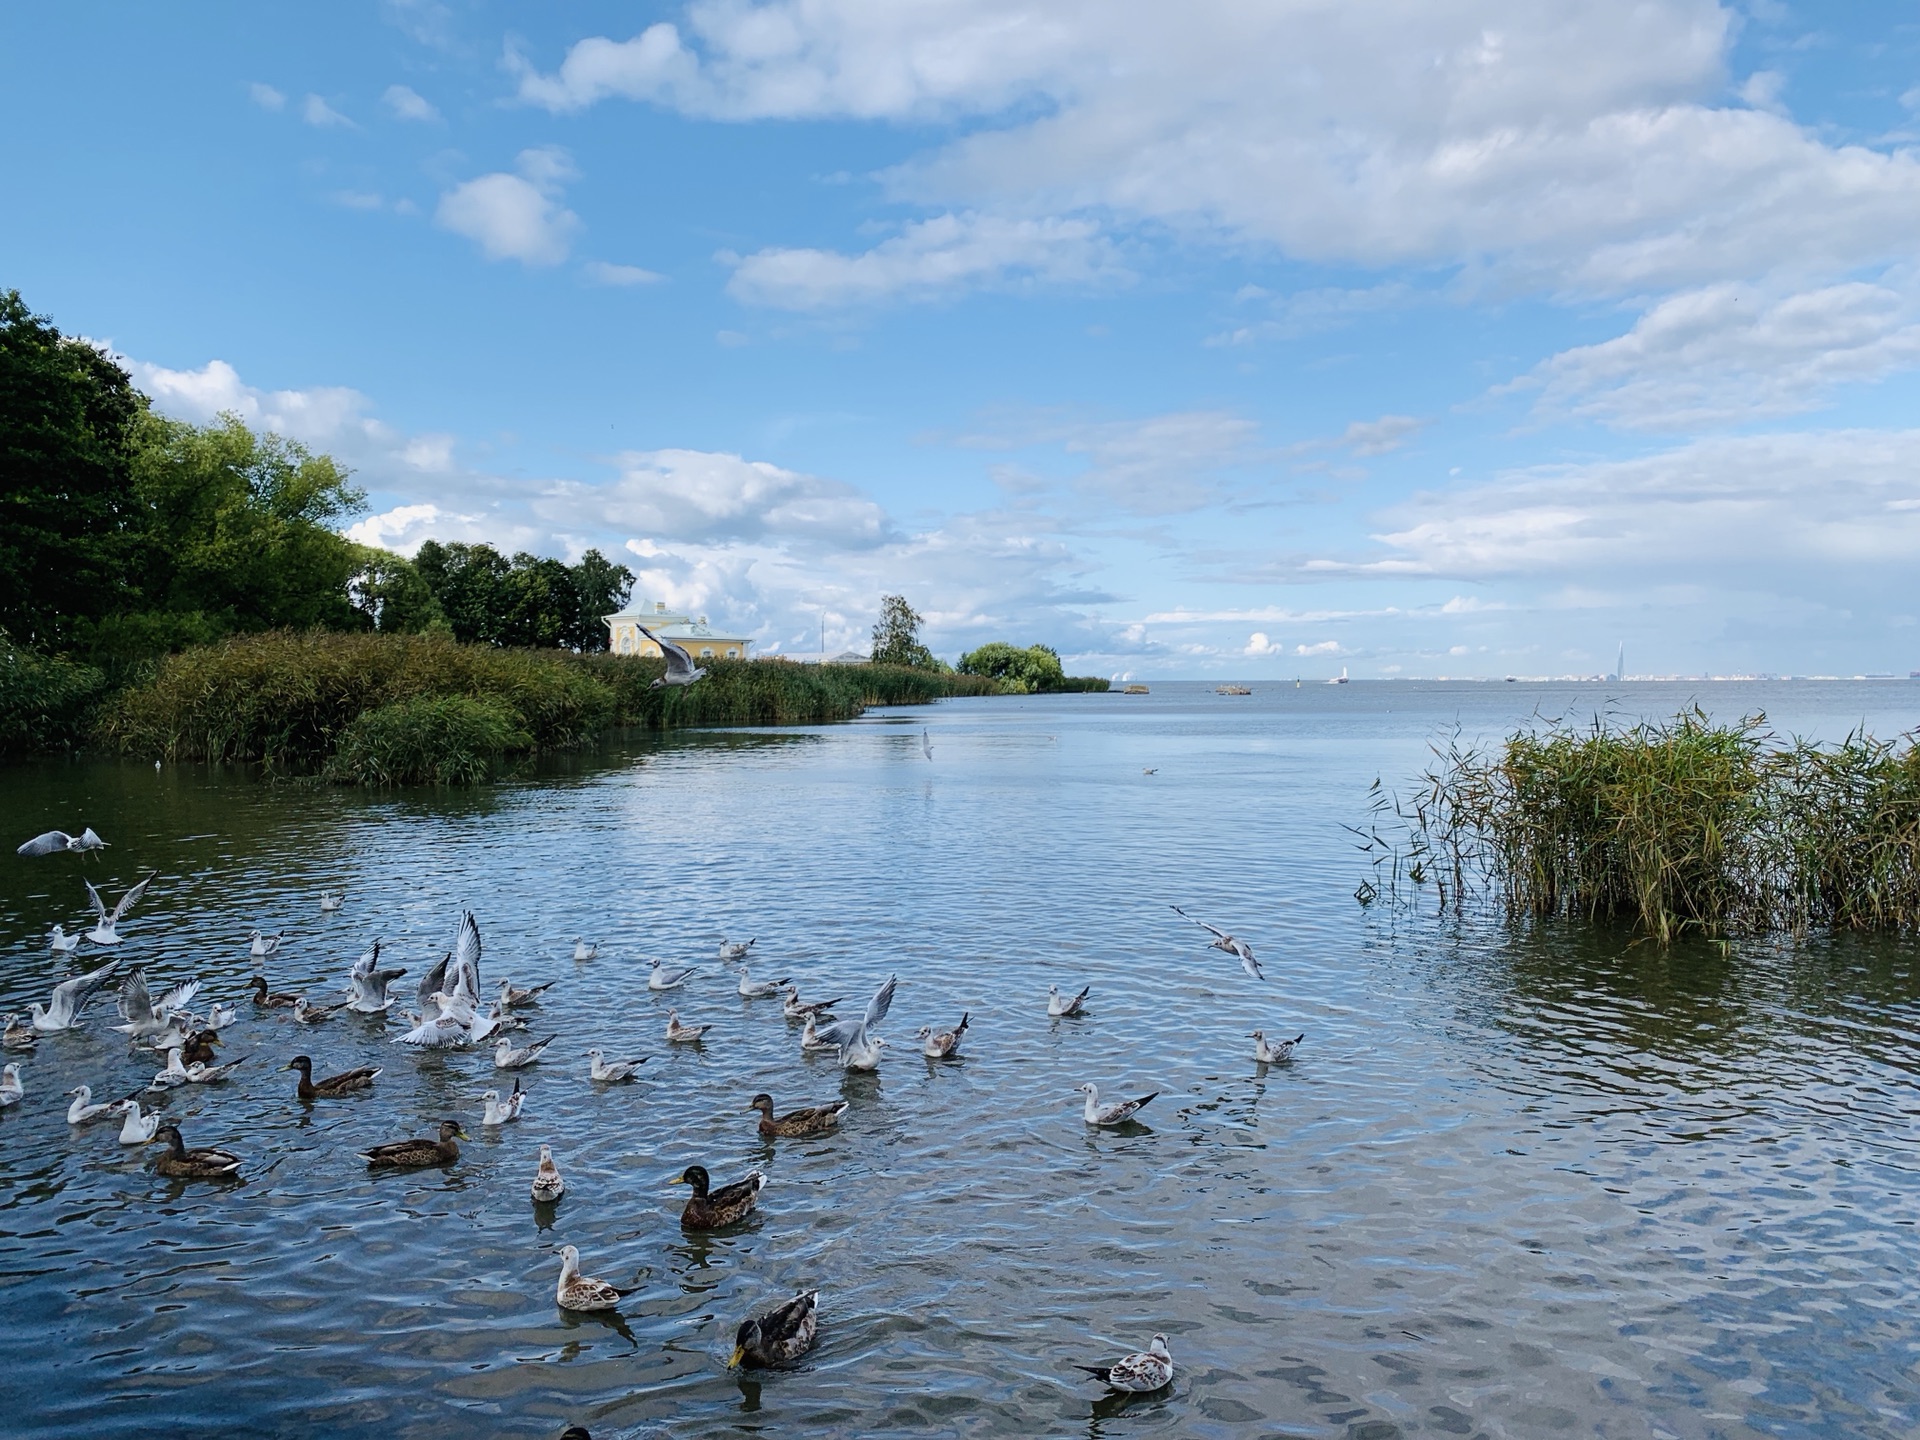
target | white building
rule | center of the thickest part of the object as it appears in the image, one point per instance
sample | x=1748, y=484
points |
x=697, y=637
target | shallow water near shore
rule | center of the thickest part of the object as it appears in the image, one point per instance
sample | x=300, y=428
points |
x=1518, y=1181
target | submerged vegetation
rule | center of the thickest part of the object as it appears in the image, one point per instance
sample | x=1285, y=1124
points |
x=1678, y=828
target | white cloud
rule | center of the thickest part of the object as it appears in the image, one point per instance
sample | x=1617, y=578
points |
x=408, y=104
x=603, y=273
x=316, y=111
x=1160, y=465
x=929, y=259
x=516, y=217
x=1258, y=643
x=1382, y=436
x=266, y=97
x=1323, y=647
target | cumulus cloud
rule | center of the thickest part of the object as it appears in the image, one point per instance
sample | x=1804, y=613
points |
x=516, y=216
x=406, y=103
x=929, y=259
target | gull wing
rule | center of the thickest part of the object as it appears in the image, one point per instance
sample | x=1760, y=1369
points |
x=99, y=906
x=51, y=843
x=679, y=662
x=76, y=992
x=88, y=840
x=128, y=900
x=176, y=999
x=434, y=979
x=840, y=1032
x=465, y=974
x=135, y=1004
x=1213, y=930
x=881, y=1003
x=363, y=967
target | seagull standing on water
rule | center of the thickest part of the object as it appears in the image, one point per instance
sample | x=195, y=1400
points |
x=58, y=842
x=661, y=978
x=944, y=1044
x=103, y=932
x=264, y=944
x=499, y=1111
x=1223, y=941
x=10, y=1087
x=1117, y=1113
x=83, y=1111
x=859, y=1050
x=612, y=1072
x=136, y=1129
x=547, y=1185
x=505, y=1057
x=332, y=899
x=736, y=950
x=680, y=667
x=62, y=1011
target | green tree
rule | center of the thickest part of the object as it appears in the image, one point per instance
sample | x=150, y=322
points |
x=67, y=420
x=603, y=589
x=896, y=636
x=543, y=607
x=470, y=584
x=392, y=595
x=1034, y=669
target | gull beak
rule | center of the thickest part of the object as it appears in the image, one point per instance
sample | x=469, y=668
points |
x=739, y=1354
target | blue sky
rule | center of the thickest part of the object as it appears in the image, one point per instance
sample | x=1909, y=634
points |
x=1203, y=340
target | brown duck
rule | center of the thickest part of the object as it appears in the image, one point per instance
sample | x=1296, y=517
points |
x=813, y=1120
x=412, y=1154
x=713, y=1209
x=197, y=1048
x=347, y=1082
x=275, y=1001
x=207, y=1164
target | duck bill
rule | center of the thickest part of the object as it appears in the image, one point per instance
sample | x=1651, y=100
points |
x=678, y=1180
x=739, y=1354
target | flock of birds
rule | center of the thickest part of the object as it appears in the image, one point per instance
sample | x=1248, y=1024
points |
x=455, y=1012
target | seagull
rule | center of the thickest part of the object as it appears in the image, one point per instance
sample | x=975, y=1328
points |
x=70, y=997
x=611, y=1072
x=583, y=951
x=946, y=1044
x=83, y=1111
x=1151, y=770
x=511, y=996
x=450, y=993
x=62, y=943
x=680, y=667
x=313, y=1014
x=103, y=932
x=1223, y=941
x=221, y=1016
x=858, y=1050
x=136, y=1129
x=10, y=1087
x=810, y=1037
x=664, y=979
x=198, y=1073
x=737, y=950
x=440, y=1024
x=367, y=983
x=18, y=1036
x=751, y=989
x=1138, y=1374
x=332, y=899
x=499, y=1111
x=1278, y=1052
x=147, y=1017
x=56, y=842
x=581, y=1292
x=796, y=1009
x=1059, y=1005
x=547, y=1185
x=265, y=944
x=1117, y=1114
x=926, y=743
x=495, y=1022
x=505, y=1057
x=678, y=1034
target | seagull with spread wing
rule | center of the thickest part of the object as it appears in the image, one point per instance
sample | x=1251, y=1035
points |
x=145, y=1016
x=104, y=932
x=680, y=667
x=58, y=842
x=1223, y=941
x=367, y=984
x=70, y=997
x=859, y=1049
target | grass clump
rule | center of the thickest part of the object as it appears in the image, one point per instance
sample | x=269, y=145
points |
x=428, y=739
x=1683, y=827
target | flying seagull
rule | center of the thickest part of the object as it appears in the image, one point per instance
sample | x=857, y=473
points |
x=680, y=667
x=70, y=998
x=58, y=842
x=926, y=743
x=104, y=932
x=1223, y=941
x=145, y=1016
x=368, y=983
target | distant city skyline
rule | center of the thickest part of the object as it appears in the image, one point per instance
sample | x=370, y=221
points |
x=1216, y=340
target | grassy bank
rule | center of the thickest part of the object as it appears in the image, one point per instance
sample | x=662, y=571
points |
x=390, y=709
x=1683, y=827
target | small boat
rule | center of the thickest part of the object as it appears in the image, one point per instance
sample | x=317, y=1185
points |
x=1231, y=690
x=1339, y=679
x=1136, y=690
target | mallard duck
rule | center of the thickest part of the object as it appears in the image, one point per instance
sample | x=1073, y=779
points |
x=659, y=977
x=1059, y=1005
x=678, y=1034
x=1278, y=1052
x=197, y=1048
x=944, y=1044
x=418, y=1152
x=813, y=1120
x=182, y=1163
x=18, y=1036
x=780, y=1336
x=10, y=1087
x=498, y=1111
x=612, y=1072
x=347, y=1082
x=711, y=1210
x=576, y=1432
x=548, y=1185
x=511, y=994
x=797, y=1009
x=136, y=1129
x=1116, y=1114
x=274, y=1001
x=582, y=1292
x=1138, y=1374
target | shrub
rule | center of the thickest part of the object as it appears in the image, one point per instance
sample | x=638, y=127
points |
x=437, y=740
x=45, y=704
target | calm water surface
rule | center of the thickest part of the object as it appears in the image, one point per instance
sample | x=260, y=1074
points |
x=1517, y=1183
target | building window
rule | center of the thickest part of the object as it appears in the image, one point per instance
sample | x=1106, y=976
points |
x=626, y=642
x=733, y=652
x=706, y=652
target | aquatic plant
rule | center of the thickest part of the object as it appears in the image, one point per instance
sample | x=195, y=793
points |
x=1683, y=827
x=428, y=739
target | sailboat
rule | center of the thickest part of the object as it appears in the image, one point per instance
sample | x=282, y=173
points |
x=1341, y=678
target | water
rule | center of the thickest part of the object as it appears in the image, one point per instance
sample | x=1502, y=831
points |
x=1517, y=1183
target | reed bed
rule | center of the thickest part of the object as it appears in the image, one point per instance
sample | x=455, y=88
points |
x=1682, y=827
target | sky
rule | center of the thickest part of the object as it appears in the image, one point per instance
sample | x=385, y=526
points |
x=1211, y=340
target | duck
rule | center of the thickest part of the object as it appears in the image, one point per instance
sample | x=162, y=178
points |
x=505, y=1057
x=272, y=1001
x=797, y=1009
x=661, y=978
x=582, y=1292
x=263, y=944
x=752, y=989
x=945, y=1044
x=18, y=1036
x=780, y=1336
x=11, y=1090
x=511, y=994
x=812, y=1120
x=313, y=1014
x=197, y=1048
x=83, y=1111
x=136, y=1129
x=1117, y=1113
x=583, y=950
x=1137, y=1374
x=548, y=1186
x=500, y=1112
x=1277, y=1052
x=612, y=1072
x=415, y=1153
x=678, y=1034
x=714, y=1209
x=1059, y=1005
x=333, y=1087
x=185, y=1164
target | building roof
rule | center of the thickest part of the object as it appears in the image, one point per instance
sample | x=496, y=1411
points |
x=681, y=629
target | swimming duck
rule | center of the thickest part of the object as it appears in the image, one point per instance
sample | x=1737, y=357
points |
x=548, y=1186
x=678, y=1034
x=1117, y=1113
x=780, y=1336
x=1059, y=1005
x=18, y=1036
x=1279, y=1052
x=582, y=1292
x=197, y=1048
x=711, y=1210
x=946, y=1044
x=584, y=951
x=418, y=1152
x=499, y=1111
x=661, y=978
x=612, y=1072
x=813, y=1120
x=136, y=1129
x=1138, y=1374
x=511, y=994
x=347, y=1082
x=83, y=1111
x=10, y=1087
x=185, y=1164
x=797, y=1009
x=272, y=1001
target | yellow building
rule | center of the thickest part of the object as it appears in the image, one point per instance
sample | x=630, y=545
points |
x=697, y=637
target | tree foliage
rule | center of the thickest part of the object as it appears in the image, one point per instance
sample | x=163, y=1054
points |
x=1034, y=669
x=527, y=601
x=896, y=636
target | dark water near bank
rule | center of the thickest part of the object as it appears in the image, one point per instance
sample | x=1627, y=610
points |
x=1516, y=1184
